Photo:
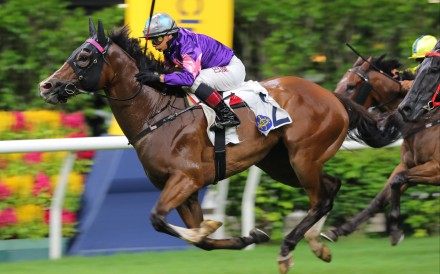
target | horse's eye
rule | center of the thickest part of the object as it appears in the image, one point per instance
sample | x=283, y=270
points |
x=434, y=69
x=350, y=89
x=83, y=59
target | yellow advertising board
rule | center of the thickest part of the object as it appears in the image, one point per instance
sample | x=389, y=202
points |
x=211, y=17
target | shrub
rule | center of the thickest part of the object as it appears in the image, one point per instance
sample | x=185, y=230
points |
x=27, y=180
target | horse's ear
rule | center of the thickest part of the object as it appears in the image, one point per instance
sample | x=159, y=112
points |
x=101, y=34
x=366, y=65
x=358, y=62
x=92, y=29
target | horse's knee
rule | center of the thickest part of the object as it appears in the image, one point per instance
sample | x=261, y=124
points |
x=157, y=221
x=331, y=185
x=397, y=181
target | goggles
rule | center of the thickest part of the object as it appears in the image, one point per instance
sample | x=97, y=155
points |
x=156, y=40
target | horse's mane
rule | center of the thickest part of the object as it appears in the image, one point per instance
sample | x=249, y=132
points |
x=143, y=62
x=388, y=65
x=133, y=48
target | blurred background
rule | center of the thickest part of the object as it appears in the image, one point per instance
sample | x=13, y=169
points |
x=286, y=37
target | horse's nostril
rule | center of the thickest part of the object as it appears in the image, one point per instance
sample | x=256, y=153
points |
x=405, y=109
x=46, y=85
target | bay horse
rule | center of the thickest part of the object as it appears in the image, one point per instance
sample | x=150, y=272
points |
x=420, y=155
x=177, y=154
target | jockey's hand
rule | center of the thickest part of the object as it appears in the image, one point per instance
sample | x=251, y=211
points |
x=406, y=85
x=147, y=76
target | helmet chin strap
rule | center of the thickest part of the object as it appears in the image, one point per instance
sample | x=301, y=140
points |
x=169, y=42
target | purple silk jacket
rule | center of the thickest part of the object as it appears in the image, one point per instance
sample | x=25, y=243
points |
x=193, y=52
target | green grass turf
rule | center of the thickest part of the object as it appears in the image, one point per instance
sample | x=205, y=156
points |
x=351, y=255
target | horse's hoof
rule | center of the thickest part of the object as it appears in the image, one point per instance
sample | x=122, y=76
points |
x=259, y=236
x=326, y=254
x=329, y=235
x=210, y=226
x=396, y=237
x=285, y=263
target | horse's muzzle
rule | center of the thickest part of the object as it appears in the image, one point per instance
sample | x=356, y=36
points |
x=54, y=92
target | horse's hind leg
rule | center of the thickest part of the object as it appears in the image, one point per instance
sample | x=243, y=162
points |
x=321, y=202
x=312, y=236
x=191, y=213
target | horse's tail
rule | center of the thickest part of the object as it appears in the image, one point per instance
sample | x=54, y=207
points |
x=365, y=127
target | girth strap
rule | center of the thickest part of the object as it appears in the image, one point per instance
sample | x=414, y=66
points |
x=220, y=155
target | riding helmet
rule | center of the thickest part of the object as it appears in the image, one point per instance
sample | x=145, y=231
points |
x=161, y=24
x=422, y=45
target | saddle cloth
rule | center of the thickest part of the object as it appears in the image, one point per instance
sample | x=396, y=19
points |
x=268, y=113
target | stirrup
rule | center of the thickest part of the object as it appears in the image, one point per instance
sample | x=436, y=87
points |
x=219, y=125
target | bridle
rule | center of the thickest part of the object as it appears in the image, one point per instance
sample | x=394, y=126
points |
x=433, y=104
x=366, y=88
x=89, y=75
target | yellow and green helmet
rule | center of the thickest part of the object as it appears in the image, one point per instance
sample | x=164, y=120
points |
x=422, y=45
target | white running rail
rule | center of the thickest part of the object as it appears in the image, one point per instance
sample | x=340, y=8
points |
x=121, y=142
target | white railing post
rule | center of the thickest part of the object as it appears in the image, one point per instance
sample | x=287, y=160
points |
x=248, y=202
x=56, y=209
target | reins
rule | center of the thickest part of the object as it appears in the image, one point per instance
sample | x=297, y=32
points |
x=75, y=89
x=374, y=66
x=367, y=87
x=159, y=123
x=425, y=126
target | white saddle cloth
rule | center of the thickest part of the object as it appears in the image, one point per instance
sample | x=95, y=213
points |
x=268, y=113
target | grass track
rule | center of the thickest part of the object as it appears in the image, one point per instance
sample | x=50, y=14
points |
x=353, y=255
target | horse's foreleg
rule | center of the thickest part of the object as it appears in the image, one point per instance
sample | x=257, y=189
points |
x=178, y=189
x=256, y=236
x=396, y=183
x=191, y=213
x=377, y=204
x=426, y=174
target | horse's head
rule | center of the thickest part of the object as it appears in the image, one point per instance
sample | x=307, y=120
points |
x=424, y=94
x=355, y=80
x=368, y=83
x=82, y=70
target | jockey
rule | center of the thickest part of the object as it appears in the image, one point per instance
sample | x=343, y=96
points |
x=206, y=65
x=421, y=46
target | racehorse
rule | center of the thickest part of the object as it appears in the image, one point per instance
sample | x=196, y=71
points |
x=177, y=154
x=420, y=156
x=422, y=105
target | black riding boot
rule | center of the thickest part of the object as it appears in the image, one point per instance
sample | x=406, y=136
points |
x=225, y=116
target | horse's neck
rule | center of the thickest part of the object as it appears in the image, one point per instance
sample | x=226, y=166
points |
x=388, y=94
x=133, y=114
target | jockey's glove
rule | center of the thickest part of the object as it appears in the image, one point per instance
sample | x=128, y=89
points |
x=147, y=76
